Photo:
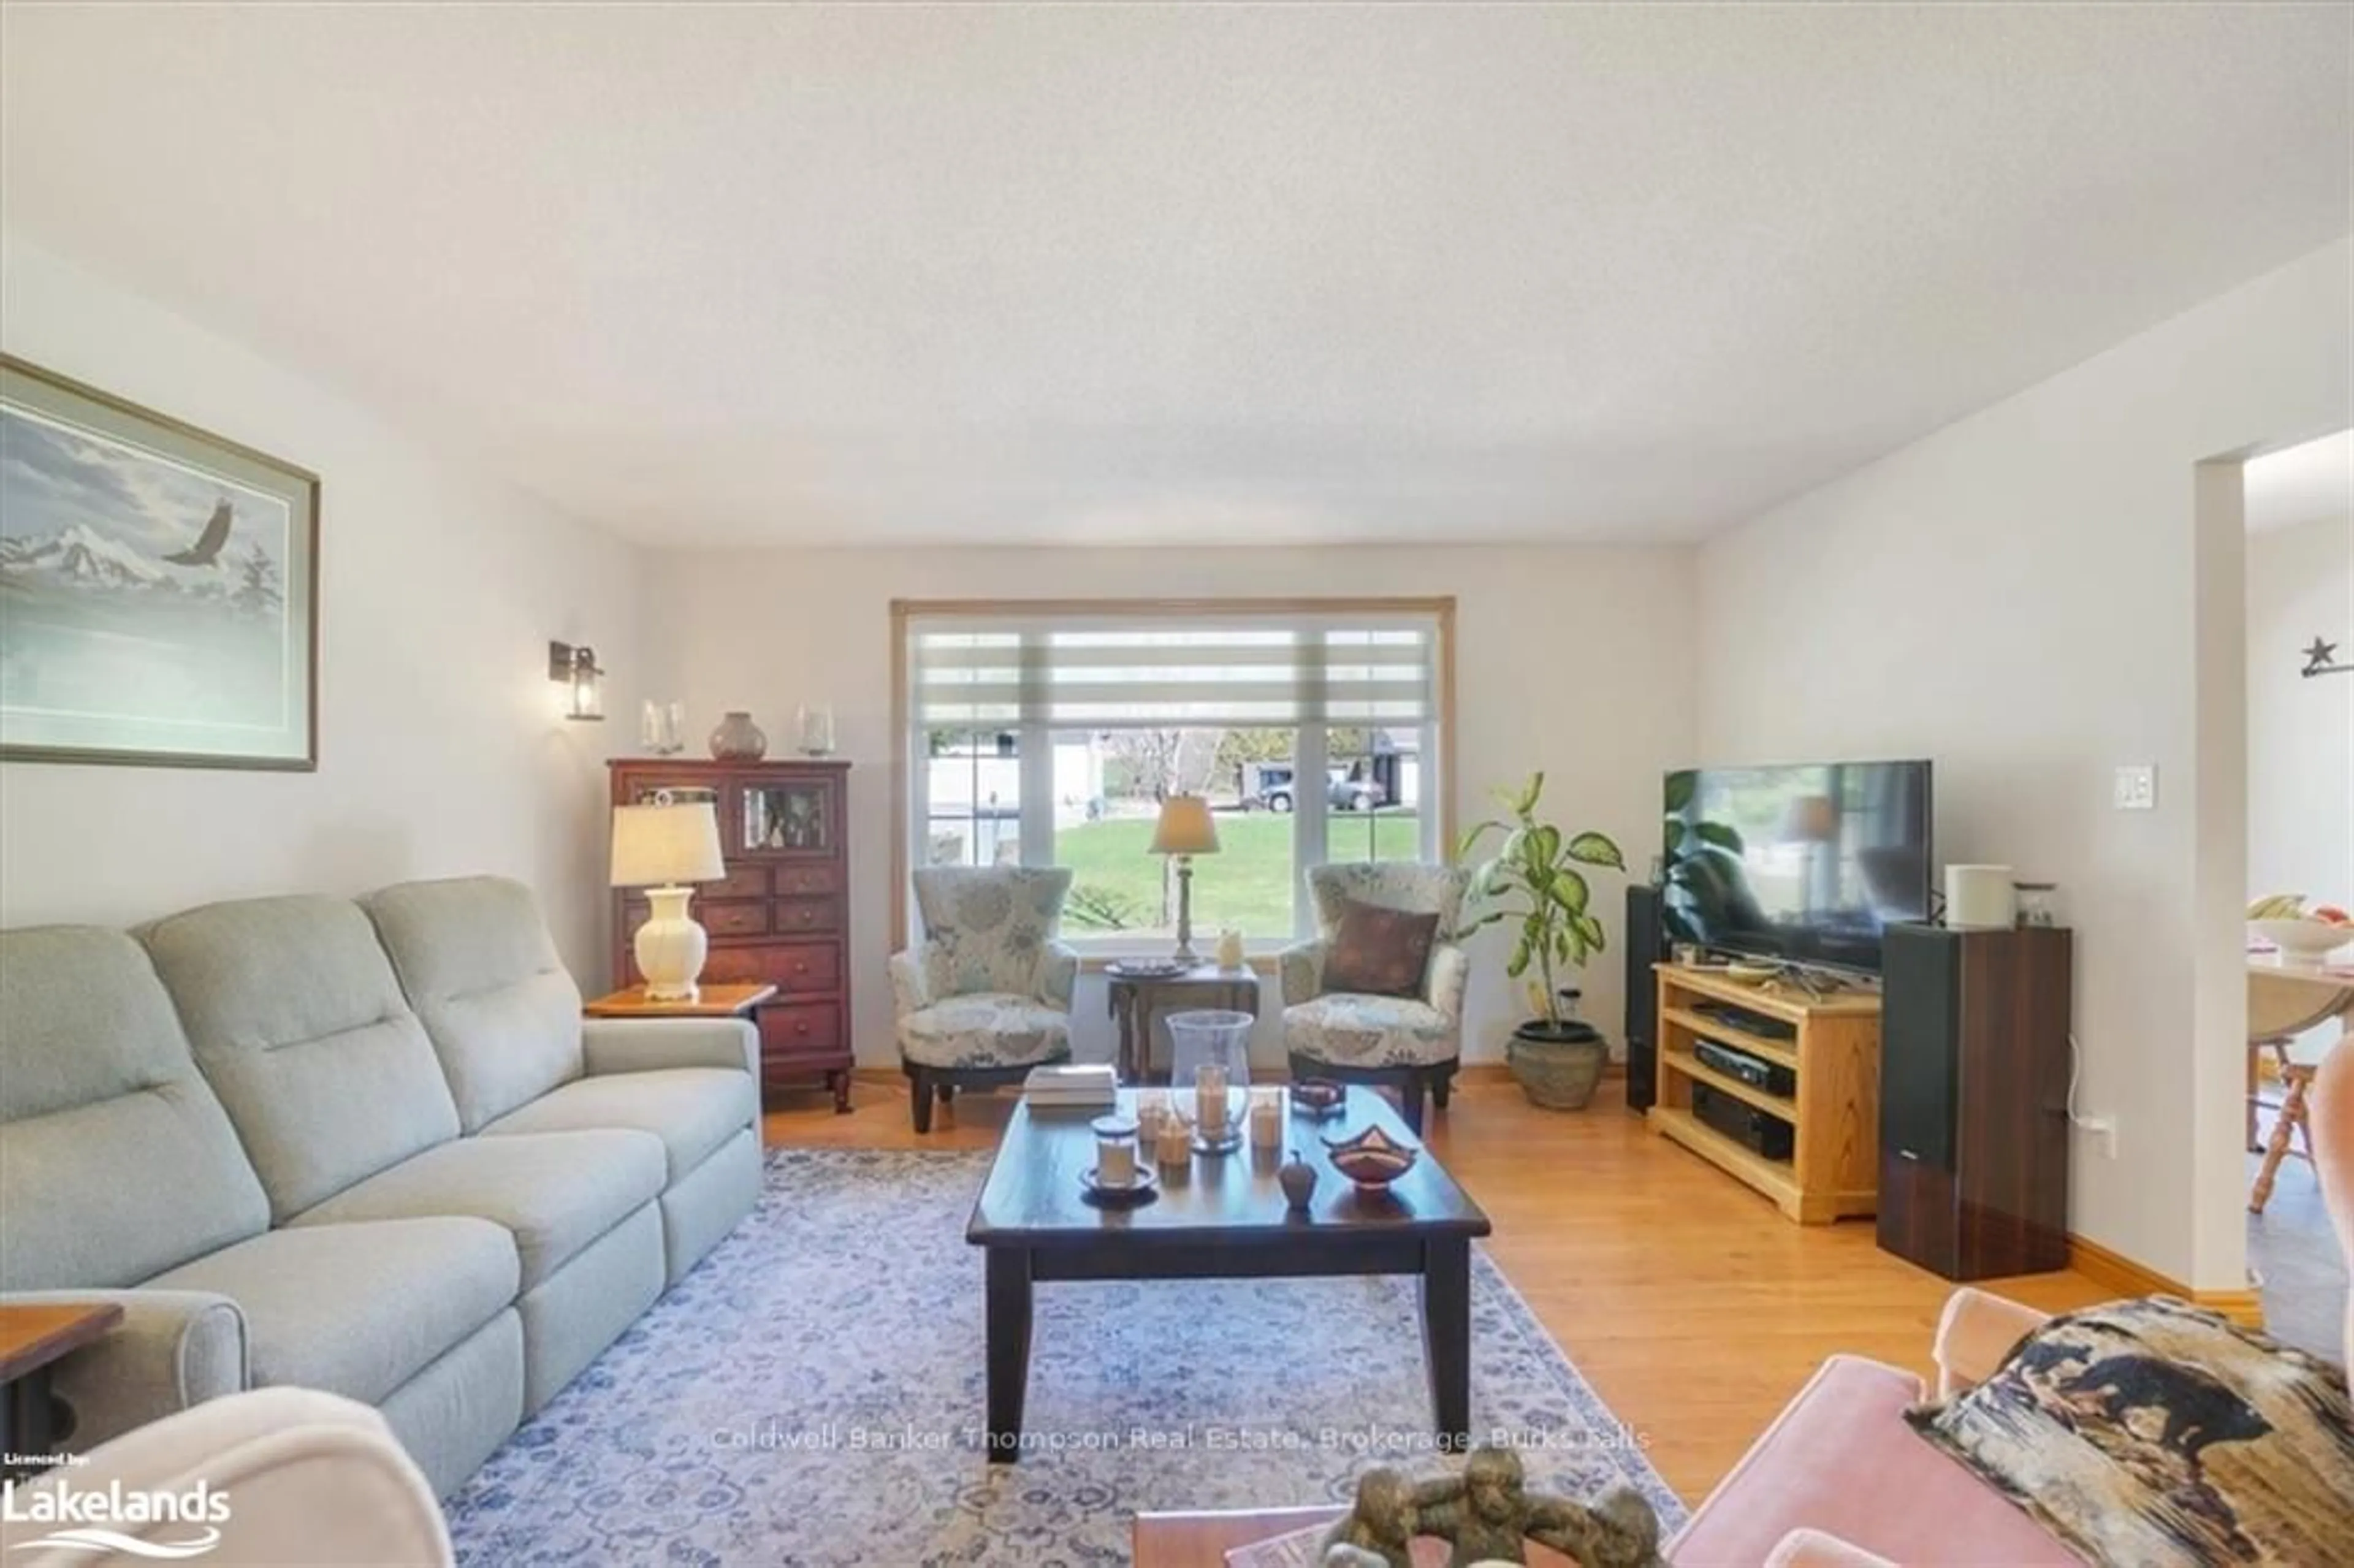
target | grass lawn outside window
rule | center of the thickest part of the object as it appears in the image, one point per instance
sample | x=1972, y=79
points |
x=1247, y=884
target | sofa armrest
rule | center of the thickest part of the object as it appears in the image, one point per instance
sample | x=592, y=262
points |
x=1450, y=970
x=1817, y=1548
x=1975, y=1333
x=647, y=1044
x=173, y=1349
x=310, y=1478
x=1301, y=968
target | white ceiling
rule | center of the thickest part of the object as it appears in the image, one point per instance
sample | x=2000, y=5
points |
x=2301, y=483
x=1136, y=273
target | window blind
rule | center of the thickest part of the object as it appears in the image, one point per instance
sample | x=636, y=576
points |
x=1157, y=673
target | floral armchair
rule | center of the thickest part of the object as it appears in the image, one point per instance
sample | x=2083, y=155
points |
x=986, y=996
x=1411, y=1043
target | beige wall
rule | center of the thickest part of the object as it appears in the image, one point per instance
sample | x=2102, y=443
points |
x=440, y=749
x=1577, y=661
x=2300, y=732
x=2019, y=597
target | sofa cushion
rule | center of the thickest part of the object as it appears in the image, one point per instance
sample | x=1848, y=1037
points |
x=2155, y=1432
x=555, y=1191
x=96, y=1081
x=693, y=1110
x=481, y=969
x=1839, y=1460
x=359, y=1309
x=301, y=1028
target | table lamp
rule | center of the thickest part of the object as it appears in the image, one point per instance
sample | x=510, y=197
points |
x=1185, y=829
x=660, y=849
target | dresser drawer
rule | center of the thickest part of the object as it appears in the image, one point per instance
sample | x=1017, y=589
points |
x=810, y=916
x=737, y=919
x=741, y=882
x=801, y=1032
x=792, y=966
x=807, y=881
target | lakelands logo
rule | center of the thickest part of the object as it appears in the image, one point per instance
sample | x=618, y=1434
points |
x=85, y=1518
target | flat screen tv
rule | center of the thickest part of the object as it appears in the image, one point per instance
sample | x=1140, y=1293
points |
x=1808, y=863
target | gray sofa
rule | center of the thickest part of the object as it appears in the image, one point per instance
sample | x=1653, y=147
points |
x=370, y=1148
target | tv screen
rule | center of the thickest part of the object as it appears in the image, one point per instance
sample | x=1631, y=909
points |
x=1808, y=863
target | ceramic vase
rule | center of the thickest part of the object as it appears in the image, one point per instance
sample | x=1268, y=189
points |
x=739, y=739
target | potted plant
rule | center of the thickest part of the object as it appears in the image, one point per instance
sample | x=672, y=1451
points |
x=1534, y=879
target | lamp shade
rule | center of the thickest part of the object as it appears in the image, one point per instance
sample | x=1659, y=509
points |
x=1185, y=827
x=1810, y=820
x=659, y=845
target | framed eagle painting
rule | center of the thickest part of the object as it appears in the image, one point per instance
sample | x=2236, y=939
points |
x=158, y=587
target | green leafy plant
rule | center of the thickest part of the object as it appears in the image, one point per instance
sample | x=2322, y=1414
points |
x=1703, y=864
x=1535, y=878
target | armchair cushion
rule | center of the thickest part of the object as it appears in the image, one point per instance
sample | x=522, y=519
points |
x=989, y=1030
x=2152, y=1432
x=1354, y=1030
x=1380, y=952
x=1839, y=1460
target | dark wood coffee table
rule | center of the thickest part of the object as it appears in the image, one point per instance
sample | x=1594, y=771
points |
x=33, y=1339
x=1227, y=1221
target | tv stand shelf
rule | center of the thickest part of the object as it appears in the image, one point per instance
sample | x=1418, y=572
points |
x=1834, y=1115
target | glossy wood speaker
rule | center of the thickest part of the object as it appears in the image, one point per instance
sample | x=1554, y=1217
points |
x=1972, y=1106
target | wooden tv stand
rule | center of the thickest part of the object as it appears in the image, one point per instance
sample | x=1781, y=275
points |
x=1834, y=1170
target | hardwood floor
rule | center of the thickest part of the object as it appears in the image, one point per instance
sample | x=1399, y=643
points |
x=1693, y=1307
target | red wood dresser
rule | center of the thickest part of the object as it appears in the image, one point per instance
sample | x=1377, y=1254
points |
x=782, y=914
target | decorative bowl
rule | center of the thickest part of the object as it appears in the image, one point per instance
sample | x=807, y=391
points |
x=1144, y=969
x=1372, y=1159
x=2307, y=939
x=1316, y=1098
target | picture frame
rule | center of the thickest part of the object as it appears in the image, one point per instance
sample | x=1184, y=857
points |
x=159, y=587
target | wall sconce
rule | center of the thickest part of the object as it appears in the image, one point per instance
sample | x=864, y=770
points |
x=577, y=668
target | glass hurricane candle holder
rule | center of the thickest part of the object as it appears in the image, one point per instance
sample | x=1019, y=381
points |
x=1210, y=1049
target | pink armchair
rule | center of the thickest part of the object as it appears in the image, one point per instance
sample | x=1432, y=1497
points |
x=1839, y=1481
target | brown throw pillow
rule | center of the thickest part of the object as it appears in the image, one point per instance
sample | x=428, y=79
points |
x=1380, y=952
x=2155, y=1432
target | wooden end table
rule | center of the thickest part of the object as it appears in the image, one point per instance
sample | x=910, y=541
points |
x=1136, y=1000
x=709, y=1002
x=33, y=1339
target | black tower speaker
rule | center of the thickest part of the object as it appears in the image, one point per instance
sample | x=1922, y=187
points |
x=1647, y=944
x=1972, y=1099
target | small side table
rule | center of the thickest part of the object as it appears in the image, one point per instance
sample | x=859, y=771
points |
x=1136, y=1001
x=32, y=1340
x=714, y=1001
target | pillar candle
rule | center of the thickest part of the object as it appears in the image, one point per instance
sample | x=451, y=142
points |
x=1210, y=1098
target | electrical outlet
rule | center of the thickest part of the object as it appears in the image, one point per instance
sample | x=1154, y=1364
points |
x=2137, y=788
x=2102, y=1127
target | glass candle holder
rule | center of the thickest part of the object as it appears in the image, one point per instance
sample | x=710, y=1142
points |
x=1114, y=1151
x=1211, y=1051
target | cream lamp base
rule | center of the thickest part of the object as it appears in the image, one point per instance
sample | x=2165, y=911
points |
x=671, y=947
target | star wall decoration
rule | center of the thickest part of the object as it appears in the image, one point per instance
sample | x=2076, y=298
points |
x=2321, y=659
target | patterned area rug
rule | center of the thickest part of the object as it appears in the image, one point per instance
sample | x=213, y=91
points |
x=811, y=1395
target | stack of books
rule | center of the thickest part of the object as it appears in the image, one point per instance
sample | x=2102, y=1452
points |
x=1092, y=1087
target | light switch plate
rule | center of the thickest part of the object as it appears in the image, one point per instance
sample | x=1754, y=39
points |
x=2137, y=788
